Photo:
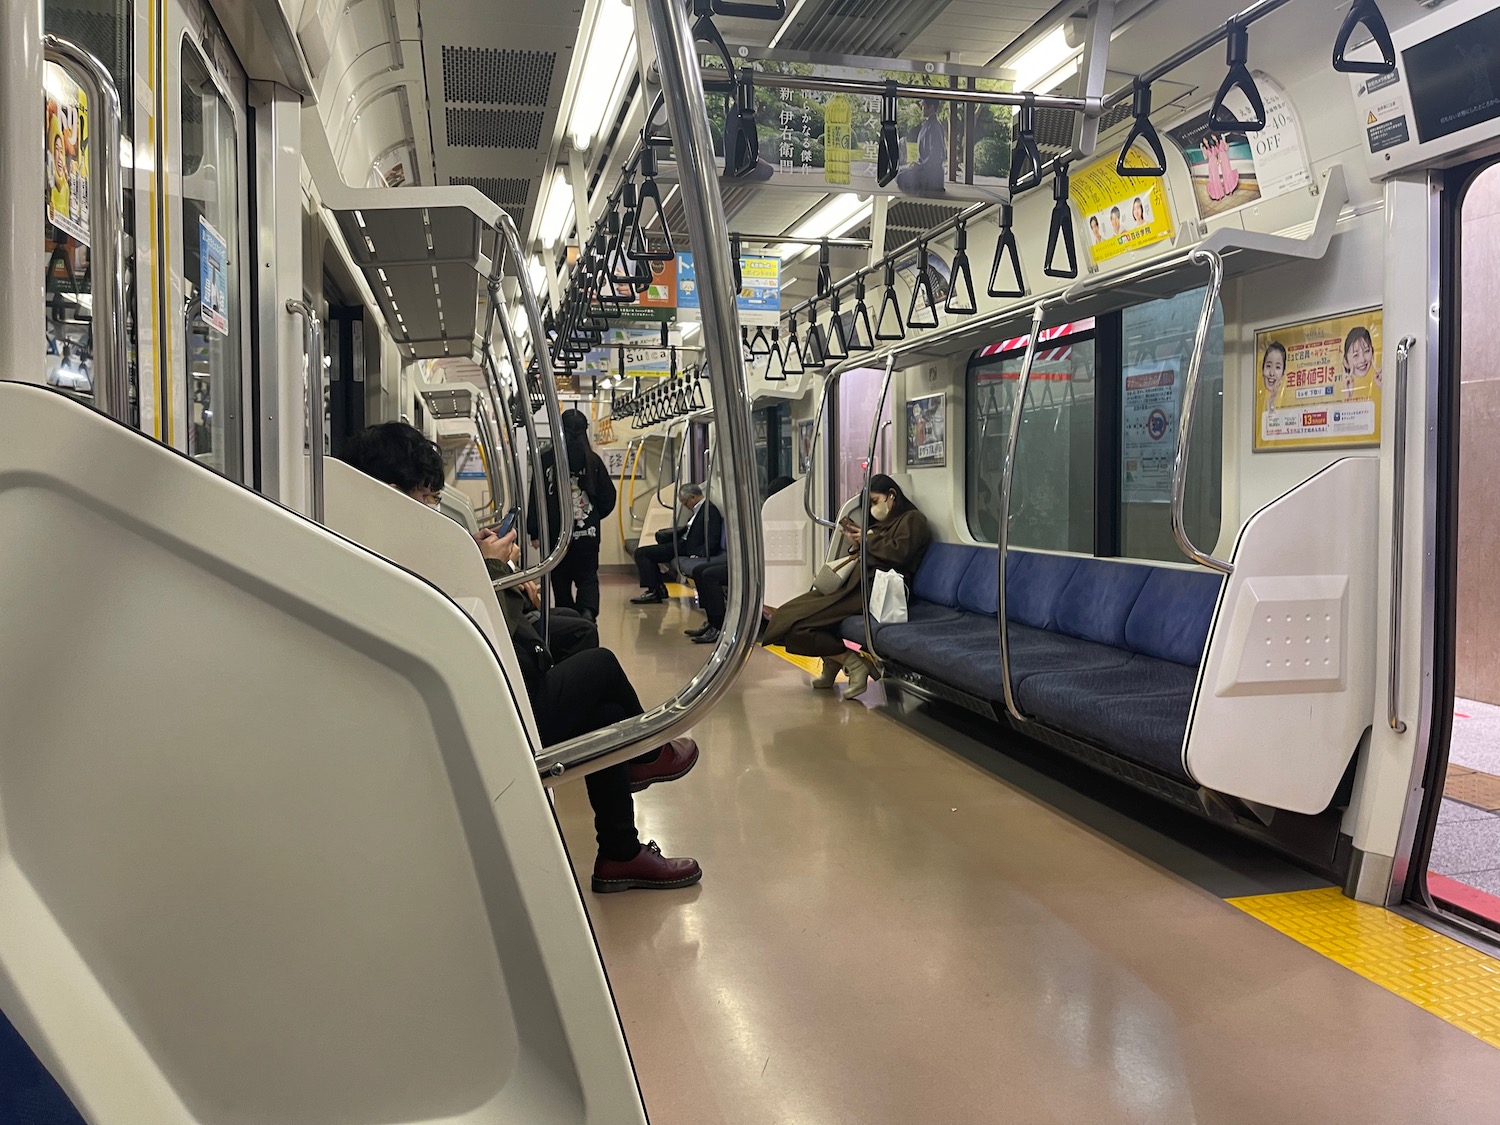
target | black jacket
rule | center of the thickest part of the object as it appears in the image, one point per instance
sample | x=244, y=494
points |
x=591, y=499
x=703, y=537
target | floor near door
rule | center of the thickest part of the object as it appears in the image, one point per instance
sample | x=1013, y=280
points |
x=1465, y=859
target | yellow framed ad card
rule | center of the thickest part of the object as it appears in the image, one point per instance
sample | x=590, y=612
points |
x=1318, y=383
x=1121, y=214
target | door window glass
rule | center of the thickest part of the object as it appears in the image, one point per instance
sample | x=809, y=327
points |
x=858, y=392
x=1158, y=341
x=1052, y=495
x=211, y=240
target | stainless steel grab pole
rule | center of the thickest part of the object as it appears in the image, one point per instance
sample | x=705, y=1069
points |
x=313, y=342
x=501, y=416
x=1215, y=266
x=1007, y=479
x=812, y=462
x=1398, y=532
x=876, y=429
x=687, y=112
x=107, y=217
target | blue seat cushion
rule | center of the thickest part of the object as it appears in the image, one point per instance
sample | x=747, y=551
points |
x=1172, y=615
x=1098, y=599
x=918, y=613
x=942, y=569
x=1034, y=584
x=29, y=1095
x=1138, y=710
x=979, y=591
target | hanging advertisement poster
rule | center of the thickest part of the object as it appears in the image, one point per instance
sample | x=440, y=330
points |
x=213, y=277
x=1317, y=383
x=926, y=432
x=760, y=289
x=1121, y=213
x=834, y=139
x=656, y=305
x=67, y=157
x=633, y=353
x=1149, y=425
x=1231, y=170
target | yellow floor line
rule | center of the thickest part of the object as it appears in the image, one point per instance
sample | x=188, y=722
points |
x=678, y=590
x=807, y=663
x=1434, y=972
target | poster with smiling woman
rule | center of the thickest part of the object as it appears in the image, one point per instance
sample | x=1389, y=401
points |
x=1318, y=383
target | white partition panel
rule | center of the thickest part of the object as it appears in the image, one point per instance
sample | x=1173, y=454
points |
x=272, y=843
x=789, y=538
x=428, y=544
x=1287, y=685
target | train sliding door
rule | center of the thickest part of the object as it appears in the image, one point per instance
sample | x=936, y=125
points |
x=207, y=242
x=1455, y=866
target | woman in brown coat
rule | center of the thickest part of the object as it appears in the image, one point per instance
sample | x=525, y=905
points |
x=809, y=624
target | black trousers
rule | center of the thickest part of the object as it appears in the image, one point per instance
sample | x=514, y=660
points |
x=584, y=693
x=713, y=592
x=647, y=558
x=575, y=582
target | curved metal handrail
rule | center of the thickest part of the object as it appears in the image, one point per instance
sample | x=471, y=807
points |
x=687, y=111
x=1007, y=477
x=812, y=457
x=876, y=428
x=1215, y=265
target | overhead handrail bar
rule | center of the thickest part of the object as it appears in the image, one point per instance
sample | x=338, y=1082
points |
x=111, y=371
x=1215, y=265
x=880, y=88
x=864, y=518
x=687, y=113
x=312, y=341
x=1248, y=16
x=1398, y=534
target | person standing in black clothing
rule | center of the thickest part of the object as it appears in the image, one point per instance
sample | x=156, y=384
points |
x=700, y=538
x=591, y=498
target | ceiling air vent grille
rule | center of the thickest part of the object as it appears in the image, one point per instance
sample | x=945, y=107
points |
x=494, y=128
x=510, y=194
x=486, y=76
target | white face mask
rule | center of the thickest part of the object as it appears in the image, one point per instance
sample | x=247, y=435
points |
x=881, y=509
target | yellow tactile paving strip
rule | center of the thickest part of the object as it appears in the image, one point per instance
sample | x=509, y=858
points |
x=1434, y=972
x=1472, y=787
x=807, y=663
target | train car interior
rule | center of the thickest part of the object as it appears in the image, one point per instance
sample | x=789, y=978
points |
x=1001, y=484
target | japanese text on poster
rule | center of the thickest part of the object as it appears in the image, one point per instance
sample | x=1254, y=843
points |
x=213, y=282
x=760, y=289
x=1230, y=170
x=67, y=159
x=1317, y=383
x=926, y=431
x=1121, y=214
x=1150, y=431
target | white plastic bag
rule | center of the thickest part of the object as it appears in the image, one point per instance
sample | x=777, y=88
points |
x=888, y=598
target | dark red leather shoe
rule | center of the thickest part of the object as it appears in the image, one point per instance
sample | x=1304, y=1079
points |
x=649, y=871
x=677, y=759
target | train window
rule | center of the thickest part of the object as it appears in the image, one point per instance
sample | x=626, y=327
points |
x=210, y=269
x=1052, y=497
x=858, y=392
x=1157, y=340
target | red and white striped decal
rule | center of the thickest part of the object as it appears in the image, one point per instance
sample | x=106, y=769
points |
x=1055, y=333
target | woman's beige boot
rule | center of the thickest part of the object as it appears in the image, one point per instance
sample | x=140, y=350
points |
x=829, y=674
x=858, y=670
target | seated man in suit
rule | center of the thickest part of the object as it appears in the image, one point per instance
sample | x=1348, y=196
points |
x=699, y=538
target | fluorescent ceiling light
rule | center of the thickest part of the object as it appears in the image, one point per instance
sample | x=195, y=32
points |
x=557, y=218
x=1046, y=63
x=835, y=217
x=611, y=46
x=538, y=275
x=786, y=24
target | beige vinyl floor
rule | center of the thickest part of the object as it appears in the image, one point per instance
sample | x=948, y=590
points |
x=888, y=935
